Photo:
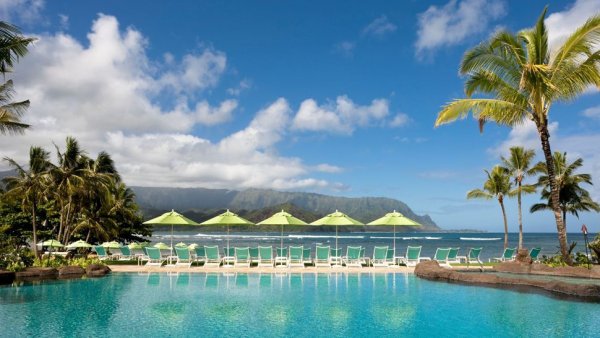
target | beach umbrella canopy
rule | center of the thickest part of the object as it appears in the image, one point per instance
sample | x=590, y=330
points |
x=192, y=246
x=52, y=243
x=111, y=245
x=161, y=246
x=337, y=218
x=394, y=219
x=171, y=218
x=181, y=245
x=79, y=244
x=227, y=218
x=282, y=218
x=137, y=246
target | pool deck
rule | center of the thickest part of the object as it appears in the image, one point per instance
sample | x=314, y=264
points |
x=308, y=269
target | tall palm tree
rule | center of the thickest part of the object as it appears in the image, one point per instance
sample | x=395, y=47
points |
x=572, y=197
x=520, y=80
x=496, y=186
x=518, y=166
x=12, y=47
x=29, y=184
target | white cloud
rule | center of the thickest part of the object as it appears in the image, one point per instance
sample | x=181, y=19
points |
x=328, y=168
x=243, y=85
x=592, y=112
x=64, y=21
x=27, y=11
x=562, y=24
x=346, y=48
x=343, y=117
x=524, y=135
x=455, y=22
x=379, y=27
x=111, y=97
x=399, y=120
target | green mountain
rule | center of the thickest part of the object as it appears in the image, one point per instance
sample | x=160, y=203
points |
x=258, y=204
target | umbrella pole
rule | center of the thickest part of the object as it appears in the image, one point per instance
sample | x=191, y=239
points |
x=281, y=245
x=394, y=239
x=171, y=239
x=227, y=240
x=336, y=239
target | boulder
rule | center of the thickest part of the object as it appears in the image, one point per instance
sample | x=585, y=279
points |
x=6, y=277
x=37, y=273
x=71, y=271
x=97, y=270
x=523, y=256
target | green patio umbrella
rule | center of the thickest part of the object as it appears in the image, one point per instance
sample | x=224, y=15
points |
x=394, y=218
x=227, y=218
x=192, y=246
x=181, y=245
x=79, y=244
x=282, y=218
x=51, y=243
x=173, y=218
x=161, y=246
x=111, y=245
x=137, y=246
x=337, y=218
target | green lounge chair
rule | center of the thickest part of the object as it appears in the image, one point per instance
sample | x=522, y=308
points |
x=281, y=259
x=101, y=252
x=380, y=256
x=353, y=256
x=125, y=254
x=473, y=257
x=322, y=256
x=212, y=256
x=183, y=257
x=228, y=256
x=441, y=256
x=364, y=260
x=413, y=255
x=507, y=255
x=242, y=257
x=265, y=256
x=306, y=257
x=200, y=254
x=390, y=257
x=335, y=257
x=296, y=257
x=254, y=255
x=534, y=253
x=154, y=257
x=453, y=256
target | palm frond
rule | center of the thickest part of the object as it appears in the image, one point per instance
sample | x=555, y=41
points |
x=502, y=112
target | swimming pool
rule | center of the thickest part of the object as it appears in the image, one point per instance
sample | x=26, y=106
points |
x=294, y=305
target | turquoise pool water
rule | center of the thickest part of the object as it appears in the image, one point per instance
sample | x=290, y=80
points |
x=291, y=305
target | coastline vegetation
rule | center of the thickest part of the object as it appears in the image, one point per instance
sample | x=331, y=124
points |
x=519, y=77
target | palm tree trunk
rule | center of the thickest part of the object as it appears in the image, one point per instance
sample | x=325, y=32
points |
x=34, y=228
x=520, y=218
x=554, y=192
x=501, y=201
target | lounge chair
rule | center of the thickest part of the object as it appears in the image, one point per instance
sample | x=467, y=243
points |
x=306, y=257
x=154, y=257
x=453, y=256
x=228, y=256
x=390, y=257
x=380, y=256
x=101, y=252
x=212, y=256
x=125, y=254
x=281, y=259
x=473, y=257
x=296, y=257
x=265, y=256
x=200, y=254
x=254, y=255
x=441, y=256
x=353, y=256
x=507, y=255
x=183, y=257
x=364, y=260
x=242, y=257
x=413, y=256
x=534, y=253
x=335, y=257
x=322, y=256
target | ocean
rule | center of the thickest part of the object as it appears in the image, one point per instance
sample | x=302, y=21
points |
x=492, y=243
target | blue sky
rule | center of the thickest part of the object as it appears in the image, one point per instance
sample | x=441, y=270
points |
x=333, y=97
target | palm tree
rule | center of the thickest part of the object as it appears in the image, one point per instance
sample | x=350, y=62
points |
x=572, y=197
x=29, y=185
x=497, y=186
x=12, y=47
x=520, y=80
x=10, y=112
x=518, y=165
